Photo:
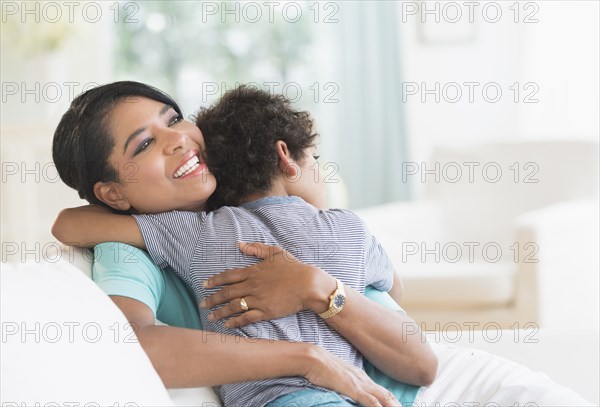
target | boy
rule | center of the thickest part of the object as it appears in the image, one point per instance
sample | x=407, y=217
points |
x=263, y=157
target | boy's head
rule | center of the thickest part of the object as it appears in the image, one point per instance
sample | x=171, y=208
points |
x=252, y=138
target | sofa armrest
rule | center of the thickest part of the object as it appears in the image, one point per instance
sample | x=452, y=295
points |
x=558, y=264
x=64, y=342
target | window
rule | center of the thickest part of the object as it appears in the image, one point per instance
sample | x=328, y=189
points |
x=197, y=50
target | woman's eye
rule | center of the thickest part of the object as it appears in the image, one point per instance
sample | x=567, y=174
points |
x=316, y=157
x=144, y=145
x=175, y=119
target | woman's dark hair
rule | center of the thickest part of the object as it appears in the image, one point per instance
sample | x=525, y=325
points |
x=82, y=143
x=240, y=132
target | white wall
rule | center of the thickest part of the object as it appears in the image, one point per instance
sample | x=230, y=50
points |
x=561, y=53
x=558, y=54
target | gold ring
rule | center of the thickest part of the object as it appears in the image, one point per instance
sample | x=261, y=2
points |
x=244, y=305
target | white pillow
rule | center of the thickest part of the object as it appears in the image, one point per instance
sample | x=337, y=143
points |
x=64, y=341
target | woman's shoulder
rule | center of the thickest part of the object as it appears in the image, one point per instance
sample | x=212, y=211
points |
x=123, y=270
x=120, y=253
x=120, y=260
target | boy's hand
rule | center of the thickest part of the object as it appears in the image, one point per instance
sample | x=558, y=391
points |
x=66, y=227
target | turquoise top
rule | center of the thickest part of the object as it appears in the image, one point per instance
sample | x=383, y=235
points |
x=127, y=271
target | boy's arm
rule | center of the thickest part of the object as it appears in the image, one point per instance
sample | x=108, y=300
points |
x=89, y=225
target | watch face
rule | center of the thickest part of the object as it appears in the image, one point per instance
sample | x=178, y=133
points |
x=339, y=301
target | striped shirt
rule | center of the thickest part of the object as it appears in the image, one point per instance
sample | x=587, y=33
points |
x=198, y=245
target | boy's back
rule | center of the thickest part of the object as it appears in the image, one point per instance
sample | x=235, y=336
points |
x=199, y=245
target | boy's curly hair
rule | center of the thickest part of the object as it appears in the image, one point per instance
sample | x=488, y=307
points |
x=240, y=132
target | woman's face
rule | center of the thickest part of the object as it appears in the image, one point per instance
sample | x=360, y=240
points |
x=158, y=157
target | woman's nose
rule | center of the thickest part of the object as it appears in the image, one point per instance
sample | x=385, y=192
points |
x=173, y=140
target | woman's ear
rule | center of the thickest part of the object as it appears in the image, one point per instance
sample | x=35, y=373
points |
x=286, y=163
x=108, y=192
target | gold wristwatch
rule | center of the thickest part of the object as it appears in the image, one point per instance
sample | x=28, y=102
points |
x=336, y=301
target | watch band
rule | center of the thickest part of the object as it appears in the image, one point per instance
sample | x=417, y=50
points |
x=329, y=313
x=338, y=294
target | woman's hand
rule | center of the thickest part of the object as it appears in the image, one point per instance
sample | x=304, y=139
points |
x=279, y=285
x=329, y=371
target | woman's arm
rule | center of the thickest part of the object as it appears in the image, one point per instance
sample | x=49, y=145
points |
x=89, y=225
x=192, y=358
x=390, y=340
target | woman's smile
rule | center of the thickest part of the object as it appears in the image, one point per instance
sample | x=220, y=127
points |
x=192, y=165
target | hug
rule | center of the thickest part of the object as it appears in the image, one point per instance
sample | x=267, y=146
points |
x=236, y=239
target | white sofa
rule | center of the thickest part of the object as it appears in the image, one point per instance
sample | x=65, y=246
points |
x=552, y=220
x=64, y=342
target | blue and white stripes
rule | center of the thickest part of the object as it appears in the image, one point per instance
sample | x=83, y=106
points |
x=198, y=245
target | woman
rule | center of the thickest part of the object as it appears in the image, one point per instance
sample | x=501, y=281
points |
x=188, y=358
x=118, y=139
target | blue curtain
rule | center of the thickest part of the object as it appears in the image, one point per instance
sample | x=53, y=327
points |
x=370, y=135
